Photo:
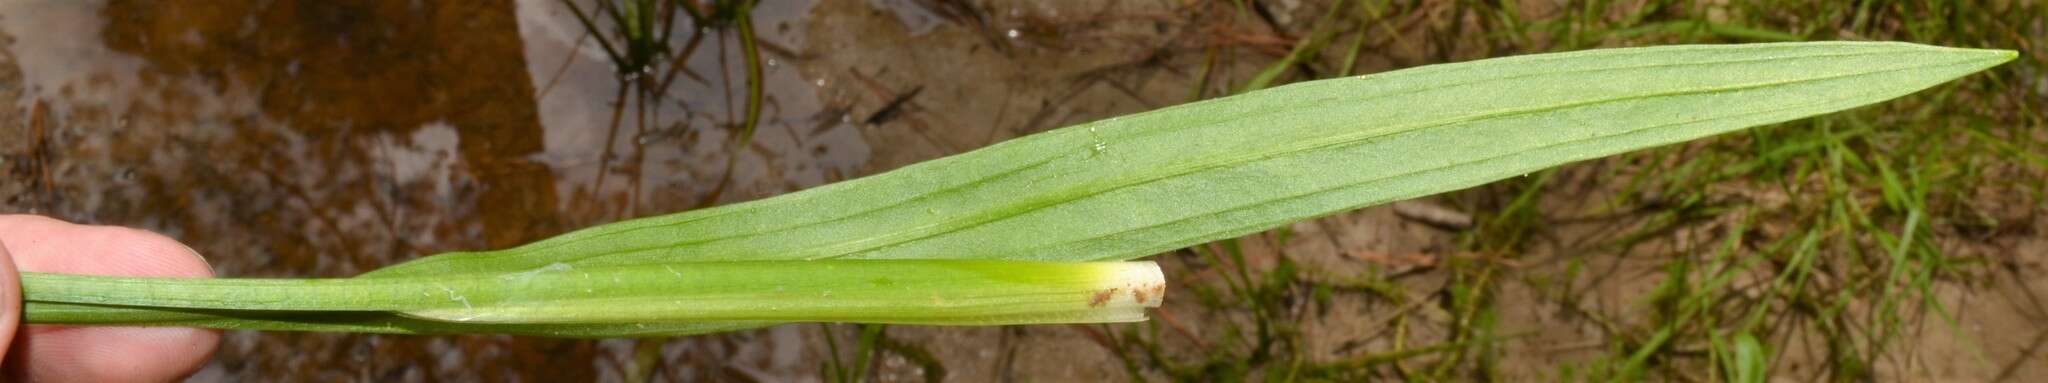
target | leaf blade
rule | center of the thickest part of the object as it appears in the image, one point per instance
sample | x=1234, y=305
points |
x=1128, y=173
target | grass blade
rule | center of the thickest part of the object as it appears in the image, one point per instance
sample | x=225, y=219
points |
x=1132, y=186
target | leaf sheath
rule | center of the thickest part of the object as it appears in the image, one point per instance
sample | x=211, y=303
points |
x=943, y=292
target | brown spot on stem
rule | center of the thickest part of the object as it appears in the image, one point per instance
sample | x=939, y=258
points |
x=1101, y=298
x=1138, y=294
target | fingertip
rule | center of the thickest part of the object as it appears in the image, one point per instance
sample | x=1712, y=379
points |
x=46, y=245
x=10, y=300
x=158, y=255
x=112, y=354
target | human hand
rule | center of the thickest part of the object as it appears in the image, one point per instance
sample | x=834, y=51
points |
x=94, y=354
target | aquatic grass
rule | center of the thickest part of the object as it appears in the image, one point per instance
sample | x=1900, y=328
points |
x=1111, y=190
x=641, y=26
x=638, y=45
x=1303, y=50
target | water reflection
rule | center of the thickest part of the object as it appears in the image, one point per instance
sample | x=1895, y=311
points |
x=315, y=138
x=646, y=151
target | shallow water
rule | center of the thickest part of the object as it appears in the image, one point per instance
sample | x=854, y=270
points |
x=310, y=138
x=314, y=138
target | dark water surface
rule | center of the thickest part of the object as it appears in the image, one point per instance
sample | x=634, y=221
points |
x=325, y=139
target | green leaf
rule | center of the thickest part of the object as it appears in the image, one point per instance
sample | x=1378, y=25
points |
x=1750, y=360
x=1141, y=184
